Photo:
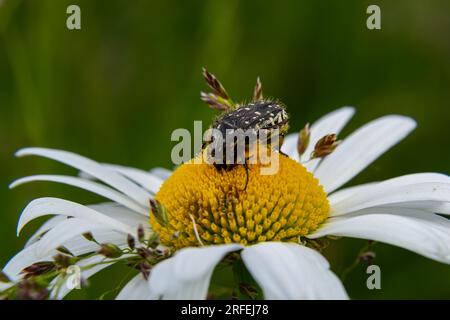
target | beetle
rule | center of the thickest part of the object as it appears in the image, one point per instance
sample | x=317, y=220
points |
x=242, y=122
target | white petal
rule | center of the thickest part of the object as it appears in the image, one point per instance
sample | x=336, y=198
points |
x=4, y=286
x=429, y=206
x=85, y=274
x=48, y=206
x=77, y=245
x=187, y=274
x=86, y=185
x=157, y=175
x=136, y=289
x=148, y=181
x=63, y=232
x=361, y=148
x=23, y=259
x=431, y=189
x=340, y=195
x=112, y=210
x=427, y=238
x=94, y=169
x=436, y=221
x=121, y=213
x=161, y=173
x=292, y=271
x=332, y=122
x=47, y=225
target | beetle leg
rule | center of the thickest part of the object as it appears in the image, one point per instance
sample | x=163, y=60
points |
x=246, y=176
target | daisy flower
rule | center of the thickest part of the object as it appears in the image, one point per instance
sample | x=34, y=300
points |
x=176, y=227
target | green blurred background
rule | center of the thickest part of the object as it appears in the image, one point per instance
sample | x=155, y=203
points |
x=116, y=89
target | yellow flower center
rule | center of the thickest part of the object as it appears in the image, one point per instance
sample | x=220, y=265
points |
x=209, y=206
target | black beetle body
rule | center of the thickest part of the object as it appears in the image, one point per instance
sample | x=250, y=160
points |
x=252, y=117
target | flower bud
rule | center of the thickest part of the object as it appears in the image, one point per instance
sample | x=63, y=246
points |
x=303, y=139
x=131, y=242
x=153, y=241
x=159, y=212
x=89, y=236
x=257, y=92
x=64, y=250
x=218, y=99
x=215, y=84
x=4, y=278
x=214, y=101
x=30, y=290
x=144, y=252
x=144, y=267
x=325, y=146
x=141, y=233
x=110, y=250
x=38, y=268
x=62, y=260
